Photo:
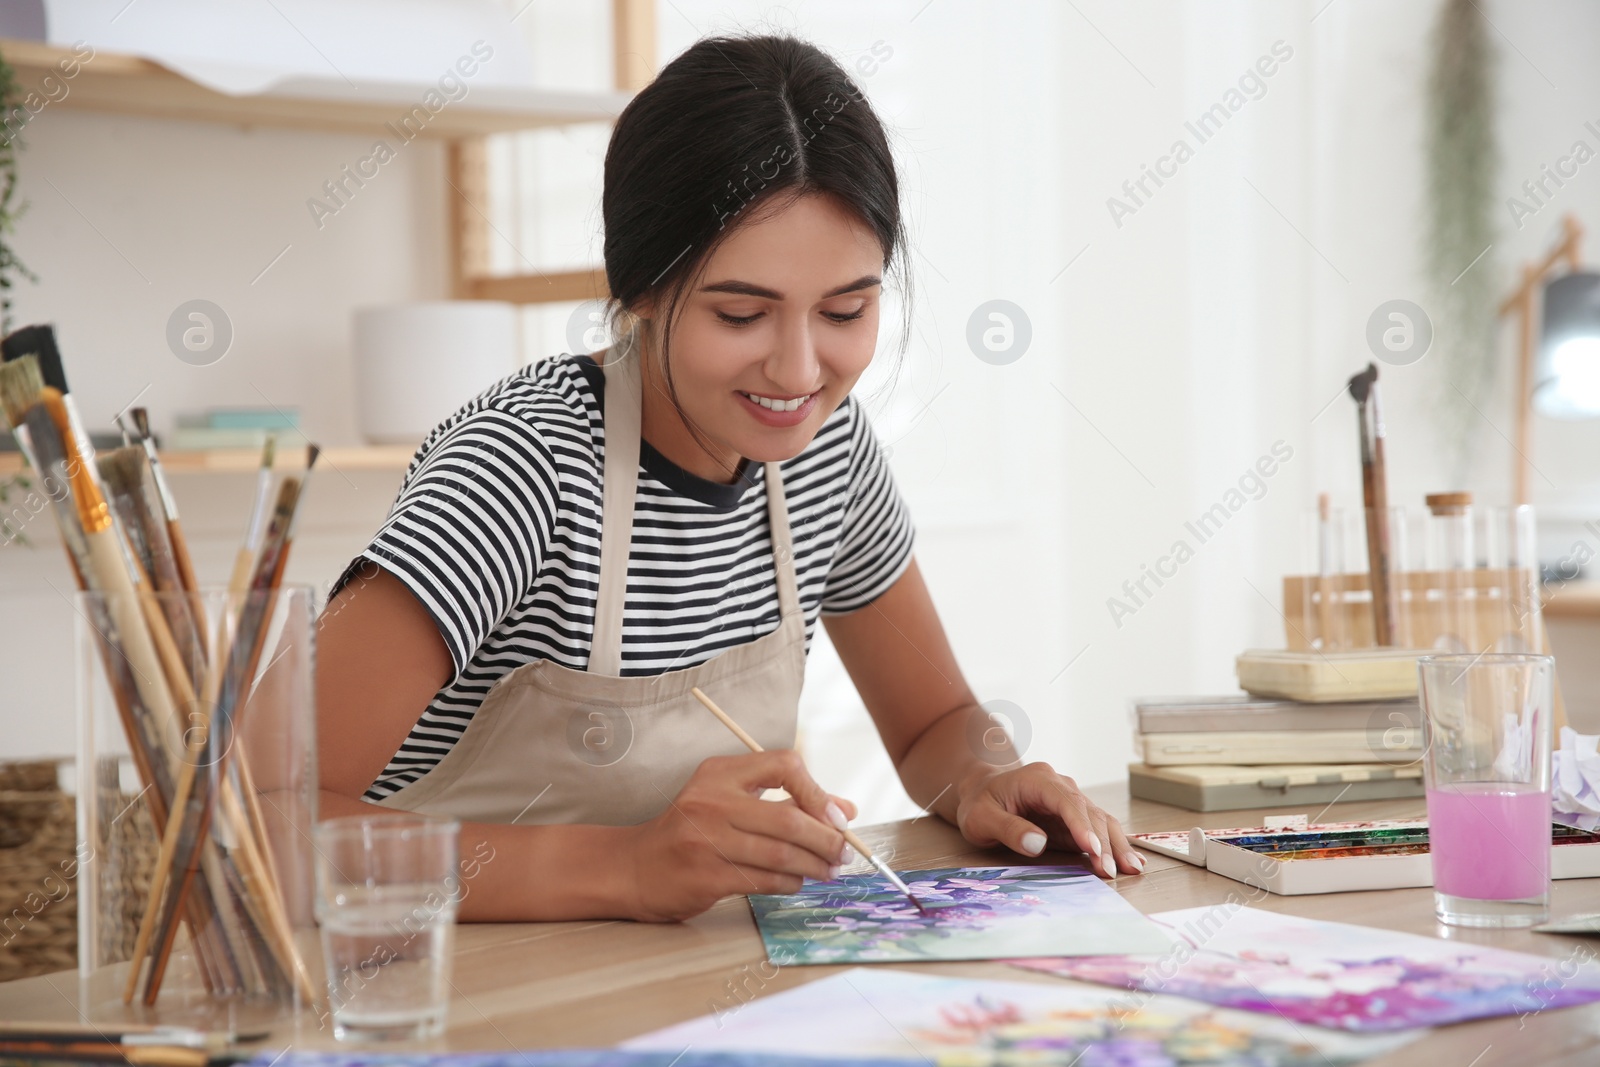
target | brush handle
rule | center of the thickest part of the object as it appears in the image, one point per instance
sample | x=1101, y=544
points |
x=111, y=578
x=104, y=1052
x=755, y=746
x=239, y=582
x=233, y=666
x=186, y=574
x=1376, y=496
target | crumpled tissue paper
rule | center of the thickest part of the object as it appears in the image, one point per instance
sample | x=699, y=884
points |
x=1575, y=781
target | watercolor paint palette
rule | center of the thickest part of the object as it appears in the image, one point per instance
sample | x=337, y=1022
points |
x=973, y=913
x=1341, y=857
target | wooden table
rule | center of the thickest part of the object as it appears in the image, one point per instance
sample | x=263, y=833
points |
x=596, y=983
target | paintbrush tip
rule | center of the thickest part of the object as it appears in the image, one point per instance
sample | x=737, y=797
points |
x=269, y=451
x=21, y=384
x=1361, y=384
x=38, y=341
x=312, y=452
x=141, y=421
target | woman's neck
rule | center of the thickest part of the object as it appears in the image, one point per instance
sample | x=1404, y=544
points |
x=663, y=426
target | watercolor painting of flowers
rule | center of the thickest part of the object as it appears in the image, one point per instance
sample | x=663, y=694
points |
x=974, y=913
x=964, y=1022
x=1339, y=975
x=565, y=1058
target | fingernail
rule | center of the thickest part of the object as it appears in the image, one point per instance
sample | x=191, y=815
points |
x=1033, y=843
x=1136, y=860
x=833, y=872
x=1094, y=844
x=847, y=855
x=836, y=816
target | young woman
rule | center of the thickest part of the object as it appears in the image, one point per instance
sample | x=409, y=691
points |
x=587, y=540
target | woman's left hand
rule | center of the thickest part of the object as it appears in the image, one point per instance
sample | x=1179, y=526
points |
x=1025, y=808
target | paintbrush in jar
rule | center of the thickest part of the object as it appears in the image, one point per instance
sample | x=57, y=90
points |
x=169, y=504
x=1375, y=493
x=231, y=672
x=39, y=341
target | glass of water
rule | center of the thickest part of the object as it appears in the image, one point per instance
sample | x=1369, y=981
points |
x=387, y=891
x=1487, y=772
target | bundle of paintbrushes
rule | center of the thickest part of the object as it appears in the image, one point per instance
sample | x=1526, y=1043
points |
x=182, y=683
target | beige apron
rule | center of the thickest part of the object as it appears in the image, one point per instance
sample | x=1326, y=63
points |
x=554, y=745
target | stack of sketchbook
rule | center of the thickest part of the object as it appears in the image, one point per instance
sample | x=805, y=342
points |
x=1311, y=728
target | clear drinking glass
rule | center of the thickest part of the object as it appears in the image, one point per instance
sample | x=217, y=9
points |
x=1487, y=772
x=387, y=892
x=222, y=730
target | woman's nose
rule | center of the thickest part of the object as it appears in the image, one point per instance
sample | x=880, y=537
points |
x=793, y=363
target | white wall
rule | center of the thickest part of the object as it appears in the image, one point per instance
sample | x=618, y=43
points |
x=1219, y=318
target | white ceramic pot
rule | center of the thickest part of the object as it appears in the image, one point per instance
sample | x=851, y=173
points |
x=417, y=363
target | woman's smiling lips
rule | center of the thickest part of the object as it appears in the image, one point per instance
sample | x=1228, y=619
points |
x=779, y=411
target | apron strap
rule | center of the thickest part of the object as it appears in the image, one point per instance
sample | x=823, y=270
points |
x=621, y=473
x=616, y=517
x=782, y=542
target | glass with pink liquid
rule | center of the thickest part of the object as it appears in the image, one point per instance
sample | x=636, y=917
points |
x=1487, y=771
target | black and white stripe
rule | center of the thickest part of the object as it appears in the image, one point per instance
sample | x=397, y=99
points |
x=496, y=530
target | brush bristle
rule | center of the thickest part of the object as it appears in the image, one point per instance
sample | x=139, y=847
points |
x=120, y=468
x=141, y=421
x=20, y=386
x=269, y=451
x=1361, y=384
x=38, y=341
x=312, y=452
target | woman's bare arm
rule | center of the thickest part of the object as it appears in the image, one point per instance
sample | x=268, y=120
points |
x=381, y=659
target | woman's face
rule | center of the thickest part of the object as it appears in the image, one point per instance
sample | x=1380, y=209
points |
x=772, y=336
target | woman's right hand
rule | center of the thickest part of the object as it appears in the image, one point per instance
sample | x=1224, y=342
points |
x=719, y=838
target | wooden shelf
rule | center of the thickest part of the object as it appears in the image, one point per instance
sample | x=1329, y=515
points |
x=245, y=460
x=129, y=85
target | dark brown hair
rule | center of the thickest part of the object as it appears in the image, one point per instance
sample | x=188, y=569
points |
x=731, y=128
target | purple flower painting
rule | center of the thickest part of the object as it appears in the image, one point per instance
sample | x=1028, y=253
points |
x=1338, y=975
x=935, y=1019
x=973, y=914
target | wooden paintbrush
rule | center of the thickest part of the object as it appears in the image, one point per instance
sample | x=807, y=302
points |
x=130, y=485
x=849, y=835
x=40, y=342
x=244, y=559
x=108, y=568
x=169, y=503
x=235, y=670
x=133, y=664
x=1375, y=492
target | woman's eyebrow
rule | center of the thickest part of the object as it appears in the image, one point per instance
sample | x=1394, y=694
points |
x=738, y=288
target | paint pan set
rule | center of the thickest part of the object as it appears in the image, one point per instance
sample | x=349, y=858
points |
x=1341, y=857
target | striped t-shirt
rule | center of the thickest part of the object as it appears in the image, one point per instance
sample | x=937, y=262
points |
x=496, y=531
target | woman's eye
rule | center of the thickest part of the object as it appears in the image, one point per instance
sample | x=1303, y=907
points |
x=738, y=320
x=845, y=317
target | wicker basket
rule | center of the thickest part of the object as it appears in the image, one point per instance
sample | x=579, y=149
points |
x=38, y=902
x=39, y=866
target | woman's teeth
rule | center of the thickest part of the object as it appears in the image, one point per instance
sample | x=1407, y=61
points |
x=777, y=405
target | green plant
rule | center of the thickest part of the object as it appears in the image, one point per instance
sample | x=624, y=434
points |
x=1462, y=157
x=12, y=118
